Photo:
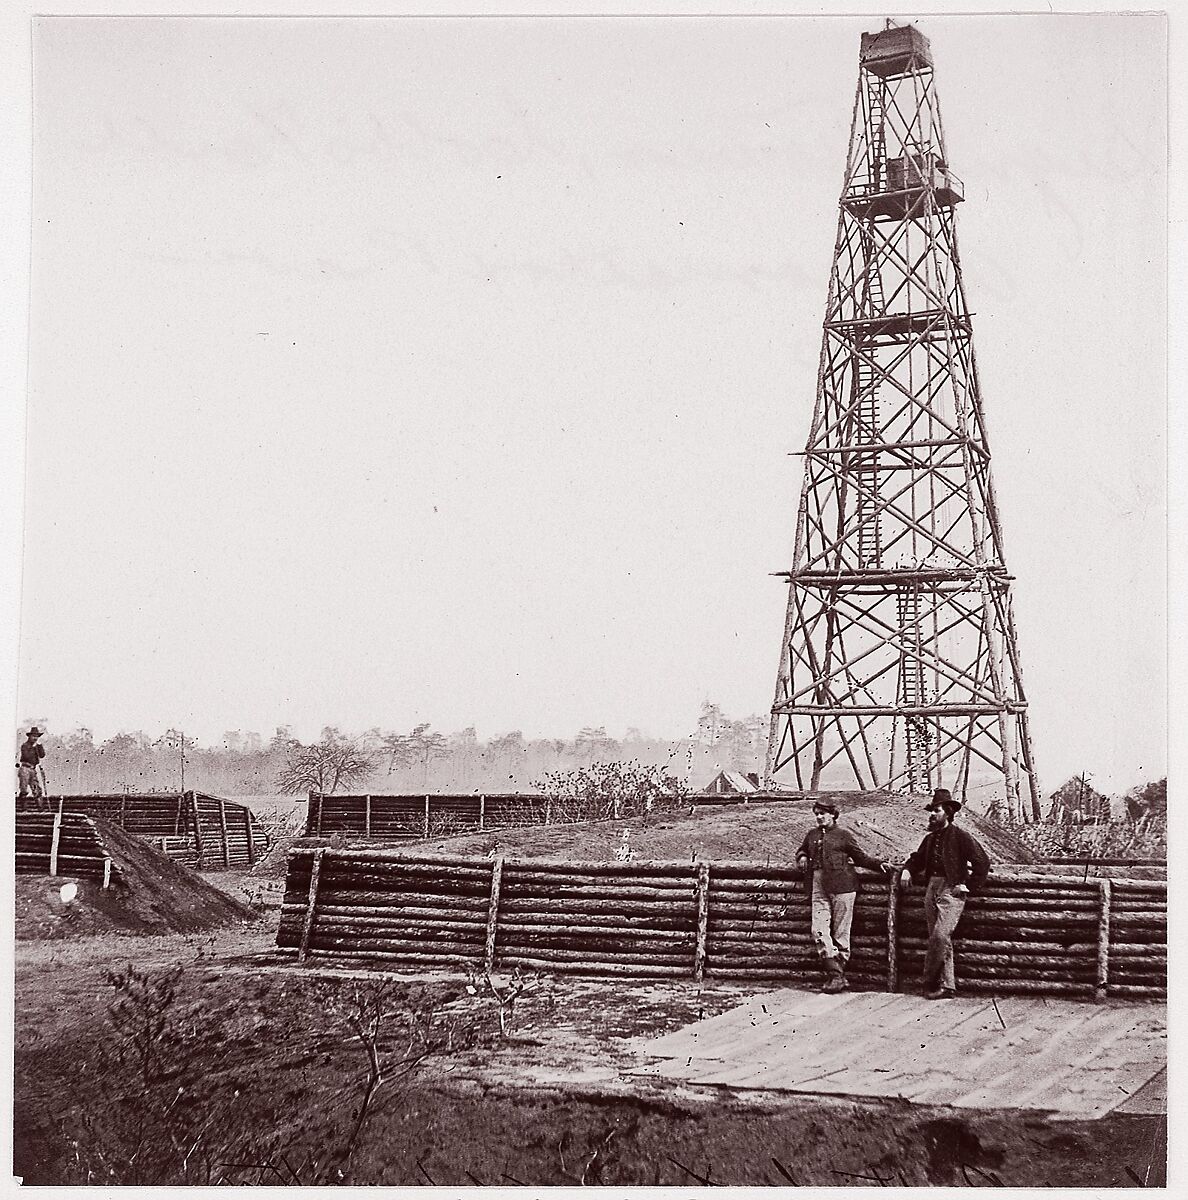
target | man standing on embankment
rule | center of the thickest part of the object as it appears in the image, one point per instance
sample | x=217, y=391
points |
x=29, y=760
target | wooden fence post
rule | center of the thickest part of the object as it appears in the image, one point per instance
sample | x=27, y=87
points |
x=893, y=931
x=247, y=829
x=548, y=809
x=321, y=806
x=198, y=831
x=426, y=816
x=106, y=872
x=367, y=816
x=307, y=929
x=53, y=860
x=124, y=811
x=223, y=831
x=703, y=875
x=1104, y=896
x=482, y=812
x=493, y=914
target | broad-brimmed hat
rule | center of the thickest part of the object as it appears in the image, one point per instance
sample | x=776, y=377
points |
x=826, y=806
x=942, y=798
x=35, y=732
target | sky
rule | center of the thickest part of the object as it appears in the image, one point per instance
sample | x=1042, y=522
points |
x=387, y=371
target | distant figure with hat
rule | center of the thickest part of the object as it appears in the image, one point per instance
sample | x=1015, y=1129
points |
x=30, y=758
x=949, y=862
x=826, y=856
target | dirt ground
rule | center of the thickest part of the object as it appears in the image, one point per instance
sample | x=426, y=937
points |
x=202, y=1057
x=885, y=825
x=151, y=894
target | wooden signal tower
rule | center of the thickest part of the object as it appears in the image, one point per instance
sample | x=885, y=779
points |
x=899, y=667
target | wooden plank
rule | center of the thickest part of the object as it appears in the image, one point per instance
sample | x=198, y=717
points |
x=1103, y=939
x=311, y=905
x=223, y=831
x=1077, y=1058
x=53, y=855
x=703, y=884
x=493, y=914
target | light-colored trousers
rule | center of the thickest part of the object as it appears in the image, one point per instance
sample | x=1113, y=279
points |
x=942, y=910
x=26, y=779
x=831, y=919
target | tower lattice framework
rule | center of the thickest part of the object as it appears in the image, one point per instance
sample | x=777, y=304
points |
x=899, y=667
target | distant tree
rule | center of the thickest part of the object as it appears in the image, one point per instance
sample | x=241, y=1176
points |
x=426, y=745
x=397, y=749
x=709, y=723
x=594, y=739
x=335, y=761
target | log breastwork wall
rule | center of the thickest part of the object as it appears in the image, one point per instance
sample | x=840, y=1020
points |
x=1024, y=932
x=191, y=827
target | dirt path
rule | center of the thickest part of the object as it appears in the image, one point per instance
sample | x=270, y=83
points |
x=255, y=1072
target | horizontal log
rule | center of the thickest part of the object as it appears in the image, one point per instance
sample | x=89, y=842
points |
x=996, y=946
x=552, y=954
x=411, y=961
x=541, y=905
x=522, y=876
x=411, y=912
x=378, y=884
x=580, y=929
x=395, y=946
x=637, y=970
x=515, y=888
x=1136, y=990
x=758, y=928
x=356, y=921
x=595, y=951
x=398, y=872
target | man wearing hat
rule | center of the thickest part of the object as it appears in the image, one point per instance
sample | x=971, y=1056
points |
x=949, y=862
x=826, y=856
x=30, y=758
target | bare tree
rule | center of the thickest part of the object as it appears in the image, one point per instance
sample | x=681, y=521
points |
x=335, y=761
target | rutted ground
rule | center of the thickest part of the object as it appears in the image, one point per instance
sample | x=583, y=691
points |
x=257, y=1077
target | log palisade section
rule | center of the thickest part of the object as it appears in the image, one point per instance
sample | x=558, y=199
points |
x=411, y=815
x=193, y=828
x=1024, y=932
x=62, y=843
x=419, y=815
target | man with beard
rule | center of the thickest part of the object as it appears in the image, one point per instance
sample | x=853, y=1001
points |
x=949, y=862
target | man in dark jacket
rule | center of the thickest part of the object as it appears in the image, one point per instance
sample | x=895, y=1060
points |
x=949, y=862
x=28, y=761
x=826, y=856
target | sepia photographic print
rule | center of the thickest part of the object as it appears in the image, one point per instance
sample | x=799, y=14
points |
x=593, y=601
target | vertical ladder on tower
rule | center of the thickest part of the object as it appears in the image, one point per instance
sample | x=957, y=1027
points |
x=868, y=423
x=918, y=736
x=876, y=130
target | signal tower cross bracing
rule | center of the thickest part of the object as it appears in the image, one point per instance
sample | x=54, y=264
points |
x=899, y=667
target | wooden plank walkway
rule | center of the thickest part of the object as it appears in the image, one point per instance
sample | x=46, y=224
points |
x=1013, y=1052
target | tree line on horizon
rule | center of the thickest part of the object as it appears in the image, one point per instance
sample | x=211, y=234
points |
x=379, y=760
x=425, y=759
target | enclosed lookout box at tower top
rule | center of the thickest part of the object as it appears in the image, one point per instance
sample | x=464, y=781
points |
x=894, y=51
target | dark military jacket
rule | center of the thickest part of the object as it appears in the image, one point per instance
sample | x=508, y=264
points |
x=961, y=858
x=835, y=850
